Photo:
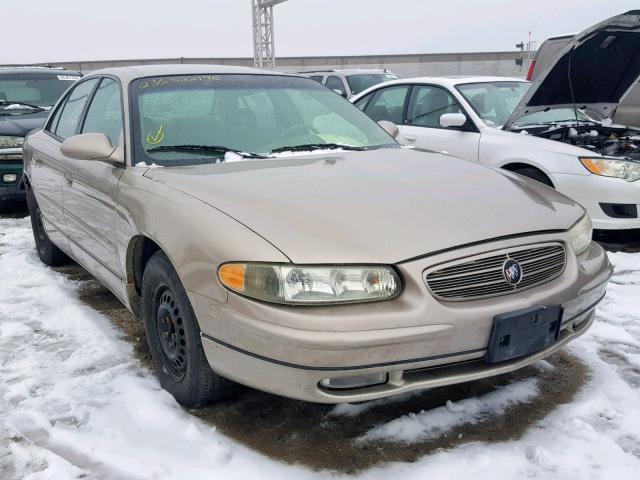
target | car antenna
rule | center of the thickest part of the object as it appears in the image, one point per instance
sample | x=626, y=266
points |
x=573, y=98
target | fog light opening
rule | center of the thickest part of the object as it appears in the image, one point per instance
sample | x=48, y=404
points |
x=10, y=178
x=356, y=381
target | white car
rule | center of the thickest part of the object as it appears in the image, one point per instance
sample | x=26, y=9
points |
x=530, y=128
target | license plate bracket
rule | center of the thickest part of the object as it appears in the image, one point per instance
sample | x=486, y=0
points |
x=522, y=332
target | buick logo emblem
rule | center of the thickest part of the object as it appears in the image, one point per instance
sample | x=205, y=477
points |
x=512, y=272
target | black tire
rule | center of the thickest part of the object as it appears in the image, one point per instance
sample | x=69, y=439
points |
x=535, y=174
x=47, y=251
x=174, y=340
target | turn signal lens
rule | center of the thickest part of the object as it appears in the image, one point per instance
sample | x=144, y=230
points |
x=311, y=285
x=232, y=276
x=608, y=167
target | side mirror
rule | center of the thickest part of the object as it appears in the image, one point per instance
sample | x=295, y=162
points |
x=449, y=120
x=390, y=127
x=88, y=146
x=340, y=92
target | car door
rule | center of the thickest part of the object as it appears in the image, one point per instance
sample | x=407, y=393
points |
x=421, y=126
x=47, y=165
x=89, y=188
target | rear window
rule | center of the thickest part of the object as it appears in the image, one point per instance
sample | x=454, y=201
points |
x=359, y=83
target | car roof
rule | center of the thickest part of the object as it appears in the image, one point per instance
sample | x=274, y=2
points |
x=127, y=74
x=12, y=70
x=349, y=71
x=452, y=80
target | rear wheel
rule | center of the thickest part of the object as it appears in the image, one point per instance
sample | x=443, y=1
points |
x=174, y=340
x=535, y=174
x=47, y=251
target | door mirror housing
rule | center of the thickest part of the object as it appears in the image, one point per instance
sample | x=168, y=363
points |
x=90, y=146
x=449, y=120
x=340, y=92
x=391, y=128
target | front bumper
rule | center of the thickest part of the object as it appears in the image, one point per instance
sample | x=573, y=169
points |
x=592, y=190
x=11, y=191
x=416, y=340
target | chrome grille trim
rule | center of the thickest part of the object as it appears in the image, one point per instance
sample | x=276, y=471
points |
x=480, y=276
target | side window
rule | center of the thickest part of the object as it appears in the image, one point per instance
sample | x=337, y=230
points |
x=363, y=101
x=427, y=104
x=388, y=104
x=334, y=83
x=317, y=78
x=55, y=118
x=105, y=112
x=70, y=116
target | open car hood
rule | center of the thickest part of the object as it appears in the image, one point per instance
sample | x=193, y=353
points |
x=603, y=64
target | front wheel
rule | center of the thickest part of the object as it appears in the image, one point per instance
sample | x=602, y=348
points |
x=173, y=336
x=535, y=174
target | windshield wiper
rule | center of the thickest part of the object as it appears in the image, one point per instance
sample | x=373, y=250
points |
x=11, y=102
x=316, y=146
x=213, y=149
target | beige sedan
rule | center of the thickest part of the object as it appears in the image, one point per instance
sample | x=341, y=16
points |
x=269, y=233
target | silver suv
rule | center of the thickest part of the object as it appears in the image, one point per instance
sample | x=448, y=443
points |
x=350, y=82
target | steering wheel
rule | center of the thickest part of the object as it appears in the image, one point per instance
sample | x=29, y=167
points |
x=302, y=128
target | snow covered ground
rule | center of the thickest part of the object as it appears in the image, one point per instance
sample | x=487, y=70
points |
x=74, y=403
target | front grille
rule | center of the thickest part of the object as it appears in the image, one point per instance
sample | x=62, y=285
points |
x=482, y=276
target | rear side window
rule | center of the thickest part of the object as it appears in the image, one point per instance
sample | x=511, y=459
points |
x=388, y=104
x=334, y=83
x=72, y=110
x=317, y=78
x=105, y=112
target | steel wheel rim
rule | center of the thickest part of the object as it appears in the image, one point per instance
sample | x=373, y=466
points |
x=171, y=334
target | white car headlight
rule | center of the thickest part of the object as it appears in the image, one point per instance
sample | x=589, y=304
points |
x=609, y=167
x=11, y=142
x=580, y=234
x=311, y=285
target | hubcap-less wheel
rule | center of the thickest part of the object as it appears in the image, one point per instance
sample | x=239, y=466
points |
x=171, y=334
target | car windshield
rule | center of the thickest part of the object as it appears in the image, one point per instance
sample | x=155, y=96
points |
x=555, y=115
x=360, y=82
x=494, y=101
x=19, y=90
x=189, y=119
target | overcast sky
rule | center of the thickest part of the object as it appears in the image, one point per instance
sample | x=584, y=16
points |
x=66, y=30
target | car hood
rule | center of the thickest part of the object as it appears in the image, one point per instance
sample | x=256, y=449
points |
x=603, y=63
x=19, y=124
x=381, y=206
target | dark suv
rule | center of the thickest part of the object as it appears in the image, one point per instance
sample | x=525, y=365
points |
x=26, y=96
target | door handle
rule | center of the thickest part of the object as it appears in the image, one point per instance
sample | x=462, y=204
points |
x=410, y=138
x=68, y=179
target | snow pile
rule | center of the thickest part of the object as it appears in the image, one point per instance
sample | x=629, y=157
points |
x=433, y=423
x=74, y=403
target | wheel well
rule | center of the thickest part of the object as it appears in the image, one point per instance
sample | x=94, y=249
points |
x=140, y=252
x=514, y=167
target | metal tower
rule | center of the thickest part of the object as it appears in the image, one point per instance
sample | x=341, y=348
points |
x=263, y=47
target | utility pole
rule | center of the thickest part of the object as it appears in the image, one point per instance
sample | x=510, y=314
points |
x=263, y=46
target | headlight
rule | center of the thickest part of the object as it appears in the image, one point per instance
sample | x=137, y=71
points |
x=11, y=142
x=310, y=285
x=608, y=167
x=580, y=234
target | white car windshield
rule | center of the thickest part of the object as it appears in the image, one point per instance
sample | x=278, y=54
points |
x=191, y=119
x=494, y=101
